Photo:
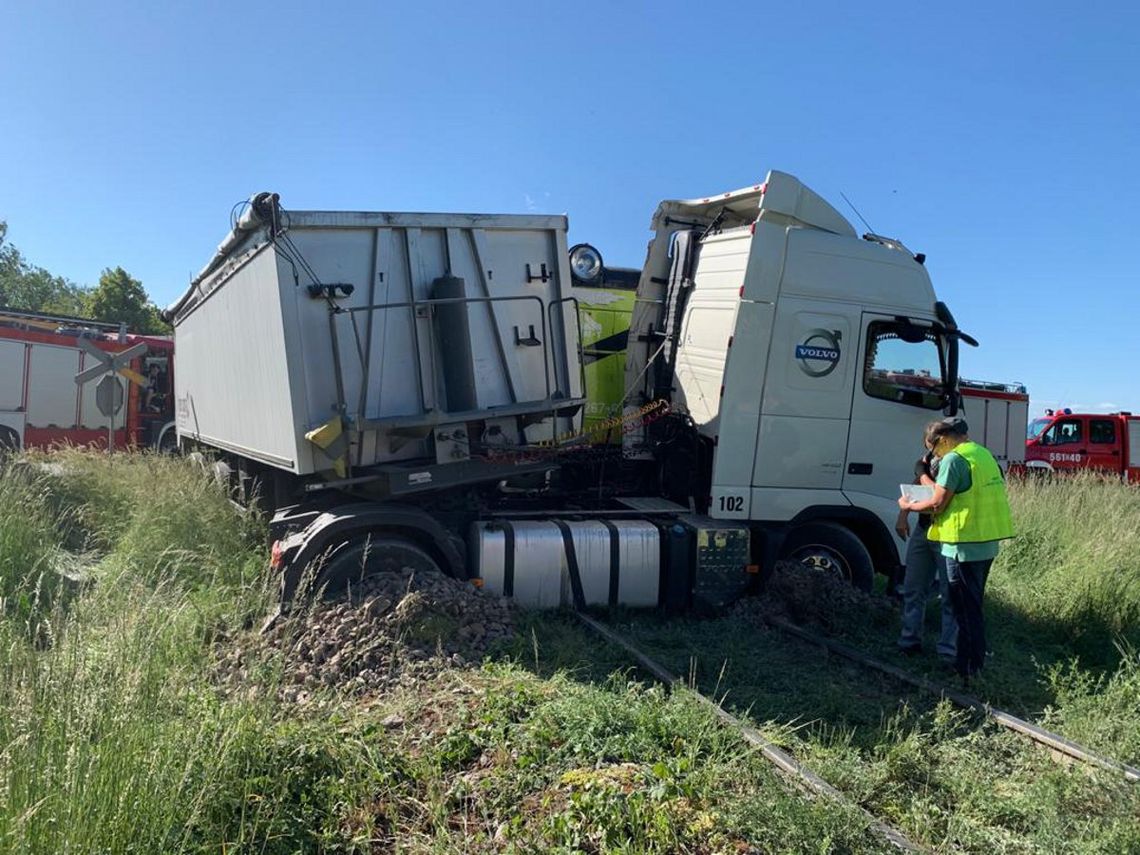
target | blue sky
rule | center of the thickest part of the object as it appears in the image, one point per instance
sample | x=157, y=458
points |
x=1001, y=142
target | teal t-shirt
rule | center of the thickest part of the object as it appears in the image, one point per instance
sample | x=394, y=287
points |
x=954, y=475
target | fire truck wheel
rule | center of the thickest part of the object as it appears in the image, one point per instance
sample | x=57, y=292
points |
x=9, y=441
x=355, y=559
x=832, y=549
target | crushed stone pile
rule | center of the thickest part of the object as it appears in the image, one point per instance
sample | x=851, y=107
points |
x=391, y=629
x=807, y=596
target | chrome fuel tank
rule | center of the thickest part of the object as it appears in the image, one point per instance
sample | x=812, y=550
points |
x=618, y=561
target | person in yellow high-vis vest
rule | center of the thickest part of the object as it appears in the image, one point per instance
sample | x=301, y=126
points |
x=970, y=519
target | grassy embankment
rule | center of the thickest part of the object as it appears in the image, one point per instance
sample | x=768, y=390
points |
x=115, y=737
x=118, y=580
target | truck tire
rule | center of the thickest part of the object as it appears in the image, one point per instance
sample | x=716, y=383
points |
x=167, y=440
x=9, y=441
x=356, y=559
x=833, y=549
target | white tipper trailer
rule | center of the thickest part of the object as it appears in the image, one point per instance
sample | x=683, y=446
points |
x=408, y=389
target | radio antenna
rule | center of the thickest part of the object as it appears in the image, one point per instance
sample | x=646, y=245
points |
x=857, y=214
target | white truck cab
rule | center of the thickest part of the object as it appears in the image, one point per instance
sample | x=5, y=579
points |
x=809, y=360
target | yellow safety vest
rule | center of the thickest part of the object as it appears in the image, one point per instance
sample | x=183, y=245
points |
x=981, y=513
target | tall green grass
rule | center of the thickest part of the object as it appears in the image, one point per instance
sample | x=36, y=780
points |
x=112, y=736
x=118, y=578
x=1073, y=571
x=30, y=556
x=157, y=515
x=1101, y=710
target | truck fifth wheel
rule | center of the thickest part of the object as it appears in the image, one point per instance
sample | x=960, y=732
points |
x=409, y=390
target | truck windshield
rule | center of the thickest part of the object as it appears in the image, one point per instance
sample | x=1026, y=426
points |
x=1035, y=428
x=904, y=370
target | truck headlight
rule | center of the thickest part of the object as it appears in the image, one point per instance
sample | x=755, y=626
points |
x=586, y=264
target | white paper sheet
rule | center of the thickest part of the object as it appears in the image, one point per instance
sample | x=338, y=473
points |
x=916, y=492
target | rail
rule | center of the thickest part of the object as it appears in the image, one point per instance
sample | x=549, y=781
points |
x=801, y=776
x=1037, y=734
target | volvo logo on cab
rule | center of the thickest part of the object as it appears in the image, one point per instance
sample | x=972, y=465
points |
x=818, y=353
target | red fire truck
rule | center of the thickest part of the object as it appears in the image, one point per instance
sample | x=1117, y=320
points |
x=41, y=405
x=1064, y=441
x=997, y=414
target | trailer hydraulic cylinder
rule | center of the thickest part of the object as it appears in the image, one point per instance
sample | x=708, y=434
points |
x=453, y=332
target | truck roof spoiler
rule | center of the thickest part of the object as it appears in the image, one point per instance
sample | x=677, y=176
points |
x=781, y=195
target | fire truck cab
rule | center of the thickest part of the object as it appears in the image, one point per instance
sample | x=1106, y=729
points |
x=41, y=405
x=1064, y=441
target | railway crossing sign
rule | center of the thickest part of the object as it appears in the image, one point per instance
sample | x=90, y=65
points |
x=111, y=362
x=109, y=392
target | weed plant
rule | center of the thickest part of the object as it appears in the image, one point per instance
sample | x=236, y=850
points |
x=503, y=760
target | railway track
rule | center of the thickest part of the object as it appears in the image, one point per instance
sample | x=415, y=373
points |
x=799, y=775
x=1060, y=748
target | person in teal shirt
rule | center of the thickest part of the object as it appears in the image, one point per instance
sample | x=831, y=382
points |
x=923, y=566
x=971, y=518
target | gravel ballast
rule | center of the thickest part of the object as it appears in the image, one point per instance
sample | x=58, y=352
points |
x=388, y=630
x=808, y=596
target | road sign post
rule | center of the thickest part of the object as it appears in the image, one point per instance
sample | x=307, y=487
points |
x=109, y=400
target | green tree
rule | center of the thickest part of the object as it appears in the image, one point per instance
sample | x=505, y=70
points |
x=24, y=286
x=10, y=260
x=119, y=297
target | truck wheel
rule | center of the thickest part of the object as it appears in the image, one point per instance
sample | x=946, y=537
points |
x=830, y=548
x=9, y=441
x=168, y=442
x=367, y=556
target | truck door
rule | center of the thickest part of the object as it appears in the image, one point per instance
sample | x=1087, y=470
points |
x=803, y=423
x=1064, y=444
x=898, y=391
x=13, y=374
x=1104, y=445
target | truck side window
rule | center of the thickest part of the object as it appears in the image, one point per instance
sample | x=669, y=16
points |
x=1065, y=432
x=902, y=371
x=1102, y=431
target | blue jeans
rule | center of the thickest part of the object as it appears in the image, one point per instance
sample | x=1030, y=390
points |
x=924, y=564
x=967, y=587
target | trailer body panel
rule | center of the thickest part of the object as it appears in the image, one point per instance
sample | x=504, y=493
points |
x=317, y=317
x=235, y=387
